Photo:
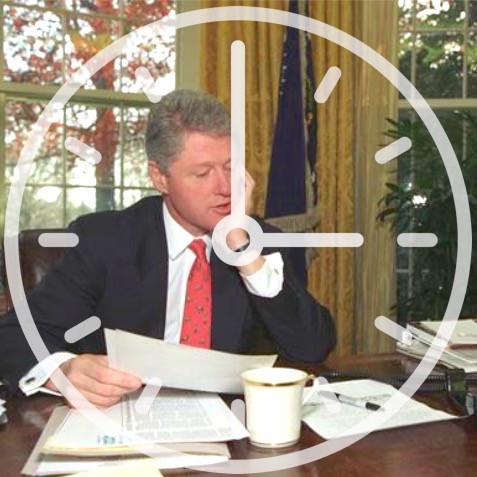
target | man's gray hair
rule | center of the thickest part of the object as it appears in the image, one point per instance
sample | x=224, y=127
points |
x=178, y=113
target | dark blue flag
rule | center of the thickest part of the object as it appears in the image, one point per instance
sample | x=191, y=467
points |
x=291, y=195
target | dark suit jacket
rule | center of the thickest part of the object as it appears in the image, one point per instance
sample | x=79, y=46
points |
x=118, y=272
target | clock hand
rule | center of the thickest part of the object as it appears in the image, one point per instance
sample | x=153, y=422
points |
x=238, y=127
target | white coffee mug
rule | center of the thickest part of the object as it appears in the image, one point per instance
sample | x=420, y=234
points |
x=273, y=405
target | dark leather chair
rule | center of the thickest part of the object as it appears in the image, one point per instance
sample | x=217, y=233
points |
x=35, y=261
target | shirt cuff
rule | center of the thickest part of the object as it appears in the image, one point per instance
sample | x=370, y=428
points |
x=34, y=380
x=268, y=281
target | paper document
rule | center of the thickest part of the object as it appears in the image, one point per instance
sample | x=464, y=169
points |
x=179, y=366
x=145, y=468
x=174, y=416
x=328, y=425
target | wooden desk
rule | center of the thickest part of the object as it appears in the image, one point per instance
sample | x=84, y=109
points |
x=431, y=450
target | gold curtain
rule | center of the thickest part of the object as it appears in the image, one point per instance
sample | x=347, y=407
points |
x=333, y=273
x=375, y=260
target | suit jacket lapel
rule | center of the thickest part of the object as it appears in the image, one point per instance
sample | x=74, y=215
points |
x=152, y=267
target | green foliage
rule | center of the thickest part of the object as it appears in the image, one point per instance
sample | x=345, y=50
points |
x=422, y=201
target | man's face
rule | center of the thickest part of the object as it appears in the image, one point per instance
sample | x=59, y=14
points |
x=197, y=188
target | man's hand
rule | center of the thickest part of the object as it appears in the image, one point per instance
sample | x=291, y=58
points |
x=236, y=238
x=101, y=385
x=249, y=186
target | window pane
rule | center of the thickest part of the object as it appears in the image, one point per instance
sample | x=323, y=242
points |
x=42, y=207
x=131, y=196
x=40, y=3
x=32, y=46
x=80, y=6
x=156, y=54
x=402, y=297
x=473, y=14
x=406, y=10
x=87, y=37
x=48, y=164
x=472, y=65
x=19, y=117
x=81, y=124
x=135, y=173
x=406, y=46
x=439, y=65
x=98, y=127
x=146, y=11
x=449, y=15
x=79, y=201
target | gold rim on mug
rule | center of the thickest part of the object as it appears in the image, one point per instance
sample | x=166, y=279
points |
x=309, y=377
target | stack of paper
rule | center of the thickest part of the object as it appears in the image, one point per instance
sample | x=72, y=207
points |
x=3, y=412
x=180, y=429
x=428, y=338
x=354, y=419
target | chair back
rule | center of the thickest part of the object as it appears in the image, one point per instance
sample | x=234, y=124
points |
x=35, y=261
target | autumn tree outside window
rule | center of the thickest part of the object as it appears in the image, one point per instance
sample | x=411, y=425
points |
x=43, y=42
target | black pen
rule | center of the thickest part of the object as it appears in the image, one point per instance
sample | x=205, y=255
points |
x=352, y=401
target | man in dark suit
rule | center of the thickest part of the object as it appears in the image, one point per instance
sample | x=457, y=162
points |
x=132, y=269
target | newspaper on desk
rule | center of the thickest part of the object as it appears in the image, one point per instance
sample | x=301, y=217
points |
x=328, y=424
x=190, y=427
x=179, y=366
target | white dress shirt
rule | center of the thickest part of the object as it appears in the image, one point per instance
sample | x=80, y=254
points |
x=266, y=282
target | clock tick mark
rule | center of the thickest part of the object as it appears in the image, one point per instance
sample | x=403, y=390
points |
x=392, y=329
x=82, y=329
x=58, y=239
x=82, y=150
x=327, y=85
x=417, y=240
x=393, y=150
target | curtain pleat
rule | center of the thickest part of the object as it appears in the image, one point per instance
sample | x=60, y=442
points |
x=375, y=260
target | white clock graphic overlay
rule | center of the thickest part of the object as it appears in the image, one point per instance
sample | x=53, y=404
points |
x=238, y=218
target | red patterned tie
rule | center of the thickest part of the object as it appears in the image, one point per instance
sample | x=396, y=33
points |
x=197, y=317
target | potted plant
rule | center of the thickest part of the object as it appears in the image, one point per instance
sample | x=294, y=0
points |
x=422, y=201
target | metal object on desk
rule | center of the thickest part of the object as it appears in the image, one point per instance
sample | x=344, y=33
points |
x=457, y=389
